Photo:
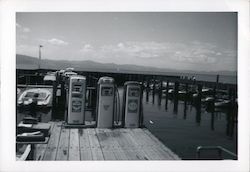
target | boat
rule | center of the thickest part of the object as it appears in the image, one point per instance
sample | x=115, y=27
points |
x=43, y=99
x=18, y=90
x=22, y=152
x=221, y=103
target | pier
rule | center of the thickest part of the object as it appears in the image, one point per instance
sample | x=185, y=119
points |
x=75, y=144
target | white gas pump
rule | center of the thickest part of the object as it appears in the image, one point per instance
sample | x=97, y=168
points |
x=76, y=99
x=105, y=102
x=132, y=104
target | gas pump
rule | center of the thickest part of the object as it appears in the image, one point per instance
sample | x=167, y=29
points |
x=76, y=99
x=105, y=102
x=132, y=95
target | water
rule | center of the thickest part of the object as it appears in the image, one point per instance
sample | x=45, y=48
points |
x=184, y=132
x=229, y=79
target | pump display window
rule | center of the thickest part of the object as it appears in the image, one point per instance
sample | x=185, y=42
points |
x=107, y=91
x=133, y=92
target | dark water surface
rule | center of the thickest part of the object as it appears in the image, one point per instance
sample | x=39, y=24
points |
x=183, y=132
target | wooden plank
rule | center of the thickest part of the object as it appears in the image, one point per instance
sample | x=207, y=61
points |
x=41, y=148
x=125, y=145
x=142, y=145
x=105, y=143
x=85, y=150
x=95, y=145
x=162, y=146
x=134, y=146
x=157, y=147
x=50, y=153
x=74, y=145
x=63, y=146
x=150, y=146
x=117, y=150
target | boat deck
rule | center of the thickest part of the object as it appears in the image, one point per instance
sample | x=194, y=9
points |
x=75, y=144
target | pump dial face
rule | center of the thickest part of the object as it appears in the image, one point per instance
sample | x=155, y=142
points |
x=132, y=106
x=76, y=106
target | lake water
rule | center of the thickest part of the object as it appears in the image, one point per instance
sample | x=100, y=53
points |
x=184, y=132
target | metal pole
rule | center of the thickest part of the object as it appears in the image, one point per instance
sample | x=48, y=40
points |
x=40, y=46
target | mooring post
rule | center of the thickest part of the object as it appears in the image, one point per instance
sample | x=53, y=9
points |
x=212, y=107
x=153, y=91
x=176, y=92
x=160, y=94
x=198, y=104
x=185, y=101
x=217, y=79
x=147, y=90
x=166, y=102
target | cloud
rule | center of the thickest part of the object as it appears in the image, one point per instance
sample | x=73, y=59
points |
x=55, y=41
x=22, y=28
x=136, y=49
x=86, y=48
x=18, y=25
x=26, y=30
x=195, y=52
x=184, y=55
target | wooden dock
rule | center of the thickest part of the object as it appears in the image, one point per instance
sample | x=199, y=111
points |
x=75, y=144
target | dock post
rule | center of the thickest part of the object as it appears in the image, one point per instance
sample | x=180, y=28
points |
x=153, y=95
x=166, y=102
x=160, y=94
x=185, y=101
x=217, y=79
x=212, y=108
x=147, y=90
x=198, y=104
x=176, y=92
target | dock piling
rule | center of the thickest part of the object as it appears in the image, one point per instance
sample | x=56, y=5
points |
x=185, y=101
x=198, y=104
x=166, y=102
x=176, y=92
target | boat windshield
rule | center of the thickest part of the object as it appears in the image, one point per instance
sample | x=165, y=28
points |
x=42, y=95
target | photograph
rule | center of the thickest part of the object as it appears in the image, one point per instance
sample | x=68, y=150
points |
x=126, y=86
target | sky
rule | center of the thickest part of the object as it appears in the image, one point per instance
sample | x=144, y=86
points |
x=199, y=41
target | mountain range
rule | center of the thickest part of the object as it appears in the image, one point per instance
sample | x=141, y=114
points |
x=28, y=62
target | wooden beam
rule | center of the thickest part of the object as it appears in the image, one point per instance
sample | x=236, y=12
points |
x=50, y=153
x=63, y=146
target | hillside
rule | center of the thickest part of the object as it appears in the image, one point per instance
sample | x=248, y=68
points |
x=27, y=62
